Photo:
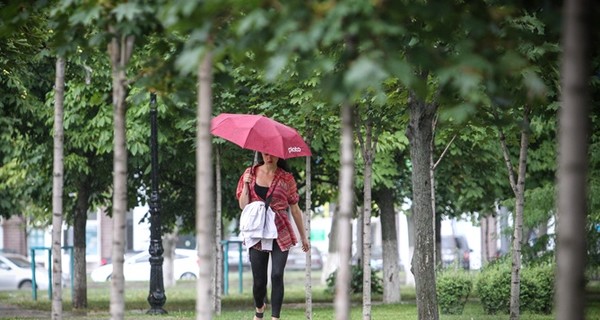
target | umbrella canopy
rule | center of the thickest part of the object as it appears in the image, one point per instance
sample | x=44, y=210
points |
x=259, y=133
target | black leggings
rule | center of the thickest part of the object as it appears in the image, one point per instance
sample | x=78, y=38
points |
x=259, y=261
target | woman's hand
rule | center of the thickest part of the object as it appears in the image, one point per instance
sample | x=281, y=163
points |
x=247, y=177
x=305, y=244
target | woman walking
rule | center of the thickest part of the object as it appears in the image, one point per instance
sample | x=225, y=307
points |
x=271, y=179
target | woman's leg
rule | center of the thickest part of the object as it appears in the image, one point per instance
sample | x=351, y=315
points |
x=259, y=261
x=279, y=259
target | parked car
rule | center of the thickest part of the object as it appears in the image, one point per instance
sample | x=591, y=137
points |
x=16, y=273
x=137, y=267
x=297, y=259
x=456, y=252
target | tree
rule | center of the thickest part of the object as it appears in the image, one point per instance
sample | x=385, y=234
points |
x=517, y=185
x=346, y=199
x=573, y=159
x=120, y=50
x=205, y=228
x=57, y=190
x=420, y=135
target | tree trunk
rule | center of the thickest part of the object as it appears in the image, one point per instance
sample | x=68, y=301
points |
x=307, y=216
x=333, y=254
x=391, y=274
x=518, y=188
x=119, y=49
x=205, y=226
x=368, y=145
x=169, y=242
x=79, y=244
x=368, y=174
x=419, y=132
x=218, y=270
x=410, y=226
x=346, y=200
x=518, y=230
x=57, y=189
x=572, y=202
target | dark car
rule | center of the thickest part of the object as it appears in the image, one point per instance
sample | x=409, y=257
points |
x=456, y=252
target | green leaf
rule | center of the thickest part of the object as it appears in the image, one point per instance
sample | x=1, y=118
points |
x=364, y=73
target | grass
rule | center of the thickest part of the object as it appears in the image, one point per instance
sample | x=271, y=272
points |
x=238, y=306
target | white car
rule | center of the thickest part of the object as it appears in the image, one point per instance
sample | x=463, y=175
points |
x=16, y=273
x=137, y=267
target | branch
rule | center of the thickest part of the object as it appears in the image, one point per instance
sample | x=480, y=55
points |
x=444, y=152
x=505, y=153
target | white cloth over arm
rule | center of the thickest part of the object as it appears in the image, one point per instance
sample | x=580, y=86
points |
x=258, y=224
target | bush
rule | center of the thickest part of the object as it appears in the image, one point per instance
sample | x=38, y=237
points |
x=536, y=291
x=356, y=282
x=493, y=288
x=537, y=288
x=453, y=290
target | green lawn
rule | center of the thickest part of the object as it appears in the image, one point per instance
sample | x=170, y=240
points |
x=238, y=306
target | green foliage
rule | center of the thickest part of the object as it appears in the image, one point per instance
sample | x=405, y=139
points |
x=453, y=290
x=537, y=288
x=493, y=288
x=356, y=281
x=536, y=291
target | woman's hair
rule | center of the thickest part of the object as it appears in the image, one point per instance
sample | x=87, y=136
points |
x=281, y=163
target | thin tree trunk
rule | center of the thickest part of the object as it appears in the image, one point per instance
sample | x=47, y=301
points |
x=307, y=215
x=437, y=256
x=368, y=146
x=391, y=274
x=572, y=202
x=518, y=229
x=346, y=200
x=205, y=226
x=410, y=226
x=419, y=132
x=120, y=50
x=333, y=255
x=79, y=244
x=218, y=271
x=518, y=188
x=57, y=189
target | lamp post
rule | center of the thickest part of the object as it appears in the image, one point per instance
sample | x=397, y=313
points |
x=156, y=297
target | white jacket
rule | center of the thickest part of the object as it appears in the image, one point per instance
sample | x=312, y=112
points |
x=258, y=224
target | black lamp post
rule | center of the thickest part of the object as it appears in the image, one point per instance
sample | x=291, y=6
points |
x=156, y=297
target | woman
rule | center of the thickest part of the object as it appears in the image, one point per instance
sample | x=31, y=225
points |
x=271, y=178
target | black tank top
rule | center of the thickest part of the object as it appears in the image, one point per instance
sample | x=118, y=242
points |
x=261, y=191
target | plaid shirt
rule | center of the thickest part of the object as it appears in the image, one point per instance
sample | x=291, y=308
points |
x=284, y=193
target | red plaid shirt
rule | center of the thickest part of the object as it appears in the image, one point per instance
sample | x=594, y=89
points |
x=284, y=193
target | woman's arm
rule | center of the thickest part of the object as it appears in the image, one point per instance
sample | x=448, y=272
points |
x=299, y=220
x=245, y=195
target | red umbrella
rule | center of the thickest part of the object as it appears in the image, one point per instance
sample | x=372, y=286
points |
x=259, y=133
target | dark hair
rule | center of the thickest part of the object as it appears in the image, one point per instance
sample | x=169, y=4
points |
x=281, y=163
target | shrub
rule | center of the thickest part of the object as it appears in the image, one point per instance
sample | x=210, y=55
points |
x=493, y=288
x=453, y=290
x=536, y=290
x=356, y=281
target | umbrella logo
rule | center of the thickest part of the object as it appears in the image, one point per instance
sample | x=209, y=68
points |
x=294, y=149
